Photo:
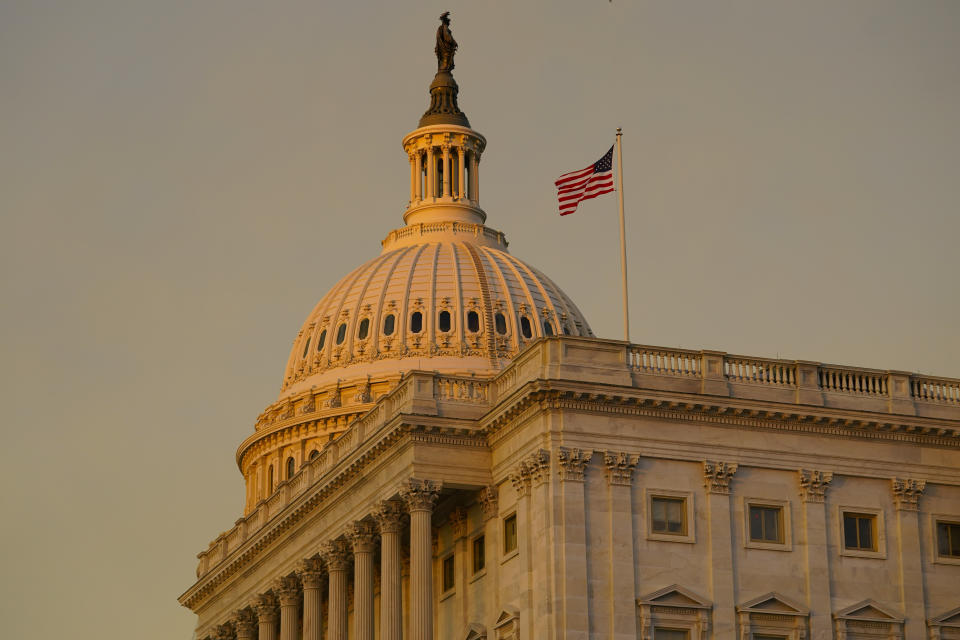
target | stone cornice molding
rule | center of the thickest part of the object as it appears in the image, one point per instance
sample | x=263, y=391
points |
x=489, y=498
x=907, y=492
x=287, y=589
x=619, y=467
x=336, y=555
x=362, y=536
x=310, y=572
x=717, y=475
x=814, y=484
x=389, y=515
x=420, y=495
x=266, y=606
x=572, y=463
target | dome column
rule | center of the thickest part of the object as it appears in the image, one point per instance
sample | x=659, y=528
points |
x=421, y=496
x=475, y=178
x=431, y=174
x=446, y=170
x=418, y=180
x=460, y=174
x=413, y=179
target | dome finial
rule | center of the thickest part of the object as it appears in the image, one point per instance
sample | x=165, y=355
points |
x=443, y=90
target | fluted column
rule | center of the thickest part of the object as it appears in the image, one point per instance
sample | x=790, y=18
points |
x=418, y=182
x=362, y=539
x=288, y=592
x=413, y=179
x=460, y=173
x=446, y=170
x=421, y=496
x=311, y=577
x=337, y=558
x=245, y=622
x=475, y=176
x=431, y=173
x=389, y=516
x=267, y=616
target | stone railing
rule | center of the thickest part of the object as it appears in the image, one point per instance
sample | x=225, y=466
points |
x=665, y=362
x=759, y=371
x=935, y=389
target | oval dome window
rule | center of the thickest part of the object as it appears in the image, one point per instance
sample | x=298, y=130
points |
x=525, y=327
x=364, y=329
x=321, y=340
x=341, y=333
x=473, y=322
x=416, y=322
x=501, y=323
x=444, y=321
x=388, y=323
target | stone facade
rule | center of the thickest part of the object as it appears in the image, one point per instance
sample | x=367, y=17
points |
x=541, y=485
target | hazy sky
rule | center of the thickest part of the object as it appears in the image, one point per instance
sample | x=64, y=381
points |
x=181, y=181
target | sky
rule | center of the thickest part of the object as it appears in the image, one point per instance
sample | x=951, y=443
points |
x=182, y=180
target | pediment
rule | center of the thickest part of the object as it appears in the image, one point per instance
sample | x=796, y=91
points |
x=475, y=631
x=948, y=619
x=507, y=615
x=676, y=596
x=773, y=602
x=869, y=610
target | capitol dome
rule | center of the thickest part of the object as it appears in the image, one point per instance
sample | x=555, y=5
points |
x=444, y=296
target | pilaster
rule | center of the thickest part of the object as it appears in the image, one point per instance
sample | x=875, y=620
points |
x=618, y=469
x=813, y=485
x=906, y=498
x=572, y=598
x=717, y=476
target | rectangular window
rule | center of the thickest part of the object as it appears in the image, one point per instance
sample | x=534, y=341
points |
x=668, y=515
x=859, y=531
x=670, y=634
x=479, y=554
x=510, y=533
x=948, y=539
x=448, y=573
x=766, y=524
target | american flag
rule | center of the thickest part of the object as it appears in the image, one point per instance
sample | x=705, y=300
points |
x=577, y=186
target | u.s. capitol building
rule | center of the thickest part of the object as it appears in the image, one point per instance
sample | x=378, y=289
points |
x=454, y=455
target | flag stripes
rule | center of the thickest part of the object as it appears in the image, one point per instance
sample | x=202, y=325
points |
x=577, y=186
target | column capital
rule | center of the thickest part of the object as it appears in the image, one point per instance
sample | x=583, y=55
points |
x=310, y=572
x=814, y=484
x=907, y=492
x=389, y=516
x=458, y=522
x=717, y=475
x=538, y=466
x=336, y=555
x=420, y=495
x=225, y=631
x=619, y=467
x=520, y=479
x=573, y=463
x=489, y=502
x=287, y=589
x=245, y=622
x=362, y=536
x=266, y=606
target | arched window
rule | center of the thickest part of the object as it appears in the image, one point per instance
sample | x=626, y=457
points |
x=341, y=333
x=388, y=323
x=473, y=322
x=444, y=321
x=525, y=328
x=566, y=330
x=547, y=328
x=313, y=454
x=416, y=322
x=291, y=467
x=364, y=329
x=501, y=322
x=306, y=348
x=270, y=480
x=321, y=340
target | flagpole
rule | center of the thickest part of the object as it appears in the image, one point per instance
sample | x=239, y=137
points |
x=623, y=241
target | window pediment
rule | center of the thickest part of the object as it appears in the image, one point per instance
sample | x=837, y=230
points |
x=868, y=619
x=773, y=614
x=674, y=607
x=945, y=626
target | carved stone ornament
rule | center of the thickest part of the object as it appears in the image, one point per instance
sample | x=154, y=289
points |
x=362, y=537
x=363, y=392
x=420, y=495
x=288, y=590
x=907, y=492
x=716, y=476
x=266, y=606
x=572, y=463
x=458, y=522
x=310, y=572
x=538, y=466
x=520, y=479
x=389, y=516
x=489, y=502
x=619, y=467
x=336, y=555
x=245, y=622
x=225, y=631
x=814, y=484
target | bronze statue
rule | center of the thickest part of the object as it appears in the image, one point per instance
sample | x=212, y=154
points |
x=446, y=45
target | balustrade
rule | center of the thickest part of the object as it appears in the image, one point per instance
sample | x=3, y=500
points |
x=759, y=371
